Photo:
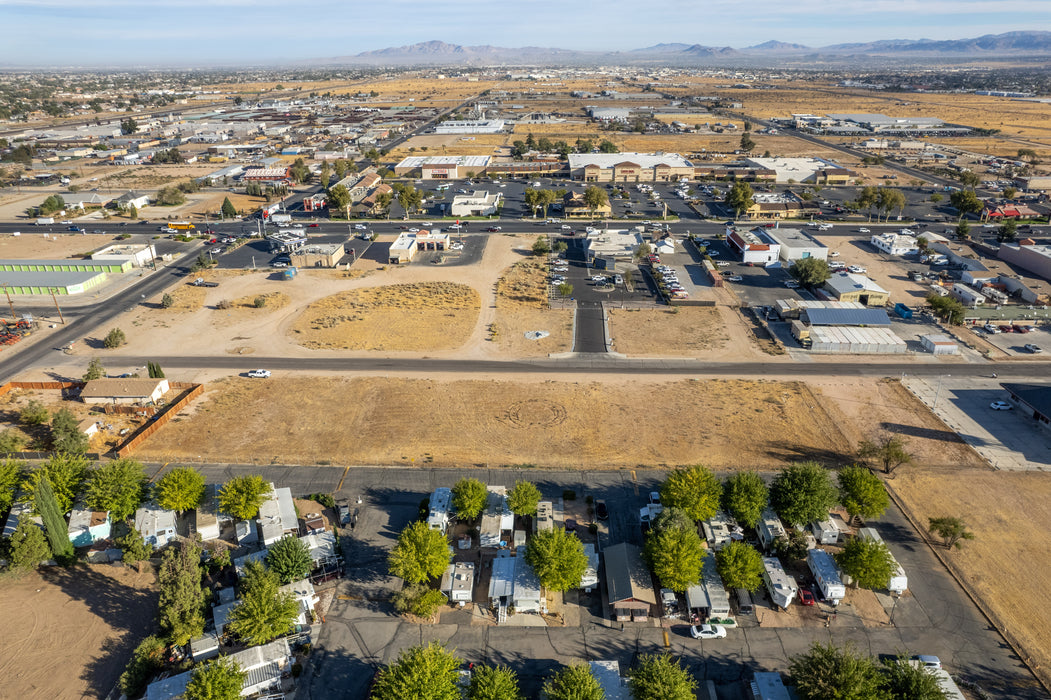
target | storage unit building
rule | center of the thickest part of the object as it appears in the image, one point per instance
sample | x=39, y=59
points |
x=781, y=586
x=827, y=575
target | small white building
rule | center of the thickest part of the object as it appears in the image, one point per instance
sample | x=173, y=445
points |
x=139, y=255
x=207, y=515
x=612, y=243
x=939, y=344
x=501, y=584
x=405, y=247
x=895, y=243
x=277, y=515
x=458, y=582
x=781, y=587
x=123, y=391
x=607, y=674
x=156, y=525
x=825, y=531
x=769, y=528
x=796, y=244
x=303, y=593
x=545, y=518
x=438, y=509
x=478, y=203
x=967, y=296
x=756, y=246
x=322, y=548
x=497, y=518
x=827, y=575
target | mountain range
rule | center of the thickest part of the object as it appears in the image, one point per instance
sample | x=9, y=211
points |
x=1028, y=43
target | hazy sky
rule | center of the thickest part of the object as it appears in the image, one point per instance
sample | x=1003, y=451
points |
x=203, y=32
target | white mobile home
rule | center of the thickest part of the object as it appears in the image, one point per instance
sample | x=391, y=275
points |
x=207, y=517
x=720, y=529
x=501, y=585
x=156, y=525
x=781, y=586
x=709, y=598
x=497, y=518
x=277, y=516
x=86, y=527
x=590, y=578
x=438, y=510
x=458, y=582
x=526, y=596
x=827, y=575
x=825, y=531
x=769, y=528
x=545, y=519
x=303, y=593
x=899, y=582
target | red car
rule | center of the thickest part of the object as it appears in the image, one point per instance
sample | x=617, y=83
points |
x=1007, y=329
x=806, y=597
x=313, y=225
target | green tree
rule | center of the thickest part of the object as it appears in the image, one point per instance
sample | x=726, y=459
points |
x=146, y=660
x=868, y=562
x=155, y=370
x=116, y=487
x=608, y=146
x=338, y=198
x=170, y=196
x=862, y=493
x=420, y=555
x=791, y=545
x=410, y=198
x=469, y=498
x=811, y=272
x=557, y=558
x=965, y=202
x=867, y=199
x=829, y=673
x=54, y=523
x=672, y=519
x=34, y=413
x=134, y=547
x=745, y=496
x=12, y=473
x=11, y=440
x=803, y=493
x=523, y=497
x=133, y=212
x=289, y=558
x=970, y=179
x=890, y=451
x=739, y=198
x=695, y=489
x=65, y=473
x=181, y=601
x=740, y=566
x=28, y=546
x=128, y=126
x=574, y=683
x=216, y=679
x=114, y=339
x=1008, y=231
x=947, y=308
x=52, y=204
x=167, y=301
x=936, y=198
x=228, y=210
x=326, y=174
x=676, y=556
x=595, y=198
x=419, y=600
x=952, y=530
x=747, y=144
x=888, y=199
x=241, y=496
x=264, y=612
x=541, y=246
x=425, y=672
x=659, y=677
x=494, y=683
x=180, y=490
x=66, y=435
x=909, y=681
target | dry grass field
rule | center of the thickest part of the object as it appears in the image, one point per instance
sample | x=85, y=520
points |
x=688, y=331
x=558, y=424
x=54, y=246
x=1008, y=564
x=69, y=632
x=421, y=317
x=522, y=306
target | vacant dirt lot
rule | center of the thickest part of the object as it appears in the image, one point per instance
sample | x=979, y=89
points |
x=54, y=246
x=688, y=331
x=68, y=633
x=424, y=316
x=1008, y=564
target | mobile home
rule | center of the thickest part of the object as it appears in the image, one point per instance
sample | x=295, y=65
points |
x=826, y=573
x=899, y=582
x=769, y=528
x=438, y=510
x=825, y=531
x=781, y=586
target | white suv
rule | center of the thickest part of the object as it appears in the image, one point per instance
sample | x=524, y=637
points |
x=260, y=373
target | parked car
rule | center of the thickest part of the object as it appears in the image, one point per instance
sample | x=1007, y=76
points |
x=1000, y=406
x=927, y=661
x=735, y=278
x=1032, y=348
x=990, y=328
x=1006, y=329
x=806, y=597
x=792, y=284
x=260, y=373
x=601, y=511
x=856, y=269
x=707, y=631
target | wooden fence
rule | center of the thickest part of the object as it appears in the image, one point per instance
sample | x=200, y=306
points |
x=191, y=392
x=40, y=385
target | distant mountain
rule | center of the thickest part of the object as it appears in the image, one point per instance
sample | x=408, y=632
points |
x=442, y=53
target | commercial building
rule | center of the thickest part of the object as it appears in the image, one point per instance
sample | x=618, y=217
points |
x=442, y=167
x=1028, y=255
x=62, y=283
x=320, y=255
x=478, y=203
x=1033, y=401
x=815, y=171
x=124, y=391
x=629, y=167
x=267, y=176
x=478, y=126
x=756, y=247
x=631, y=595
x=895, y=243
x=850, y=340
x=846, y=286
x=108, y=266
x=612, y=243
x=137, y=255
x=796, y=244
x=1012, y=210
x=404, y=248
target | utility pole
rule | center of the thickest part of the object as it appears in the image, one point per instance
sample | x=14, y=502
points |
x=55, y=299
x=9, y=302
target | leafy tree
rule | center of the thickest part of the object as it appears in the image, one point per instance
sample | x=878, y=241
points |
x=739, y=197
x=523, y=498
x=52, y=204
x=114, y=339
x=135, y=547
x=229, y=211
x=420, y=555
x=146, y=660
x=494, y=683
x=747, y=144
x=740, y=566
x=803, y=493
x=867, y=199
x=745, y=497
x=574, y=683
x=410, y=198
x=829, y=673
x=65, y=473
x=12, y=473
x=862, y=493
x=541, y=246
x=54, y=523
x=289, y=558
x=947, y=308
x=888, y=199
x=608, y=146
x=672, y=519
x=170, y=196
x=965, y=202
x=952, y=530
x=792, y=545
x=936, y=198
x=241, y=496
x=429, y=672
x=34, y=413
x=11, y=440
x=565, y=289
x=595, y=198
x=419, y=600
x=811, y=272
x=264, y=613
x=891, y=451
x=128, y=126
x=970, y=179
x=116, y=487
x=28, y=546
x=963, y=230
x=155, y=370
x=869, y=563
x=695, y=489
x=676, y=556
x=216, y=679
x=66, y=435
x=1007, y=231
x=338, y=198
x=181, y=601
x=557, y=558
x=659, y=677
x=907, y=681
x=95, y=370
x=180, y=490
x=469, y=498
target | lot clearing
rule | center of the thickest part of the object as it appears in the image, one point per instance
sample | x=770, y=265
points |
x=1008, y=564
x=522, y=306
x=70, y=632
x=51, y=246
x=687, y=331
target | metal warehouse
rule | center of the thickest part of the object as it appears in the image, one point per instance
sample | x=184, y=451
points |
x=856, y=341
x=75, y=282
x=65, y=266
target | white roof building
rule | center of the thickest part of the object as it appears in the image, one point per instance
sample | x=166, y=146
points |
x=478, y=126
x=496, y=518
x=458, y=582
x=302, y=592
x=156, y=525
x=613, y=243
x=277, y=515
x=478, y=203
x=643, y=160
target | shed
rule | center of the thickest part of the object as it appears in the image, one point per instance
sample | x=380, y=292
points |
x=303, y=593
x=631, y=595
x=89, y=426
x=204, y=647
x=156, y=525
x=123, y=391
x=313, y=523
x=939, y=344
x=86, y=527
x=458, y=582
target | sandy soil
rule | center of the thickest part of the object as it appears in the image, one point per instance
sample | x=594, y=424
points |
x=887, y=273
x=688, y=331
x=69, y=632
x=52, y=247
x=108, y=436
x=1008, y=562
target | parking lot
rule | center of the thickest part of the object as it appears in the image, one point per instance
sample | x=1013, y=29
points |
x=1014, y=343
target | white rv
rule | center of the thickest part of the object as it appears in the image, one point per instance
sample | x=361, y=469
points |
x=825, y=531
x=826, y=573
x=438, y=511
x=769, y=528
x=781, y=586
x=899, y=582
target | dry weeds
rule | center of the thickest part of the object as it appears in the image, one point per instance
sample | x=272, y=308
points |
x=682, y=331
